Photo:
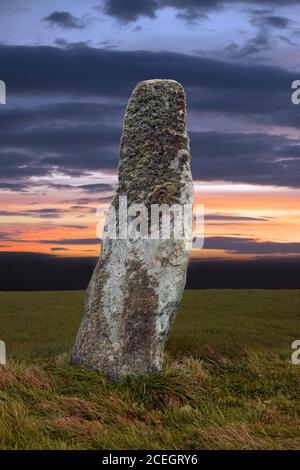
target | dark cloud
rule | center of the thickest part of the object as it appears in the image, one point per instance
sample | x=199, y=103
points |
x=271, y=105
x=287, y=41
x=131, y=10
x=251, y=246
x=71, y=241
x=79, y=137
x=79, y=227
x=5, y=236
x=265, y=20
x=279, y=22
x=234, y=218
x=60, y=114
x=235, y=245
x=79, y=147
x=86, y=209
x=96, y=188
x=59, y=249
x=82, y=200
x=39, y=213
x=48, y=212
x=75, y=137
x=211, y=84
x=64, y=19
x=91, y=71
x=246, y=157
x=105, y=199
x=19, y=187
x=258, y=106
x=263, y=40
x=16, y=164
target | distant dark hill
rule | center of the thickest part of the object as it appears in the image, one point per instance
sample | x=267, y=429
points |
x=265, y=273
x=31, y=271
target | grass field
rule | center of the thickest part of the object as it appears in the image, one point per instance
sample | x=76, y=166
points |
x=228, y=382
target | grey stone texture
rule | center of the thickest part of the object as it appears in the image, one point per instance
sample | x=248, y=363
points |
x=137, y=284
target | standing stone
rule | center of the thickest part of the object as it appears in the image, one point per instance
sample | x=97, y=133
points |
x=137, y=284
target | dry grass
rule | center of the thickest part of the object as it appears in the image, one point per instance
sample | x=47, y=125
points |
x=229, y=386
x=193, y=404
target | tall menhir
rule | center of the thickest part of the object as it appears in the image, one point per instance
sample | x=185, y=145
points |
x=137, y=284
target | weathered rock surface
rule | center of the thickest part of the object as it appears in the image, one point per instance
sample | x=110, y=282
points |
x=137, y=284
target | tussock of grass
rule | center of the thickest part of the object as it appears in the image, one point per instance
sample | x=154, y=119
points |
x=193, y=403
x=227, y=381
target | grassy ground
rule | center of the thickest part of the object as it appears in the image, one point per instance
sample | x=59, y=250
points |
x=227, y=382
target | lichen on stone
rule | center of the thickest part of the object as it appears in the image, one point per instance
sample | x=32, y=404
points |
x=154, y=132
x=137, y=285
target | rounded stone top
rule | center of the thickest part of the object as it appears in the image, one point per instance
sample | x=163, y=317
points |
x=157, y=105
x=158, y=84
x=154, y=146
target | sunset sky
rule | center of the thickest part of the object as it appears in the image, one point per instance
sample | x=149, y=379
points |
x=69, y=68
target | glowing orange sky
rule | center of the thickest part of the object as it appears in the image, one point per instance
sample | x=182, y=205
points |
x=21, y=230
